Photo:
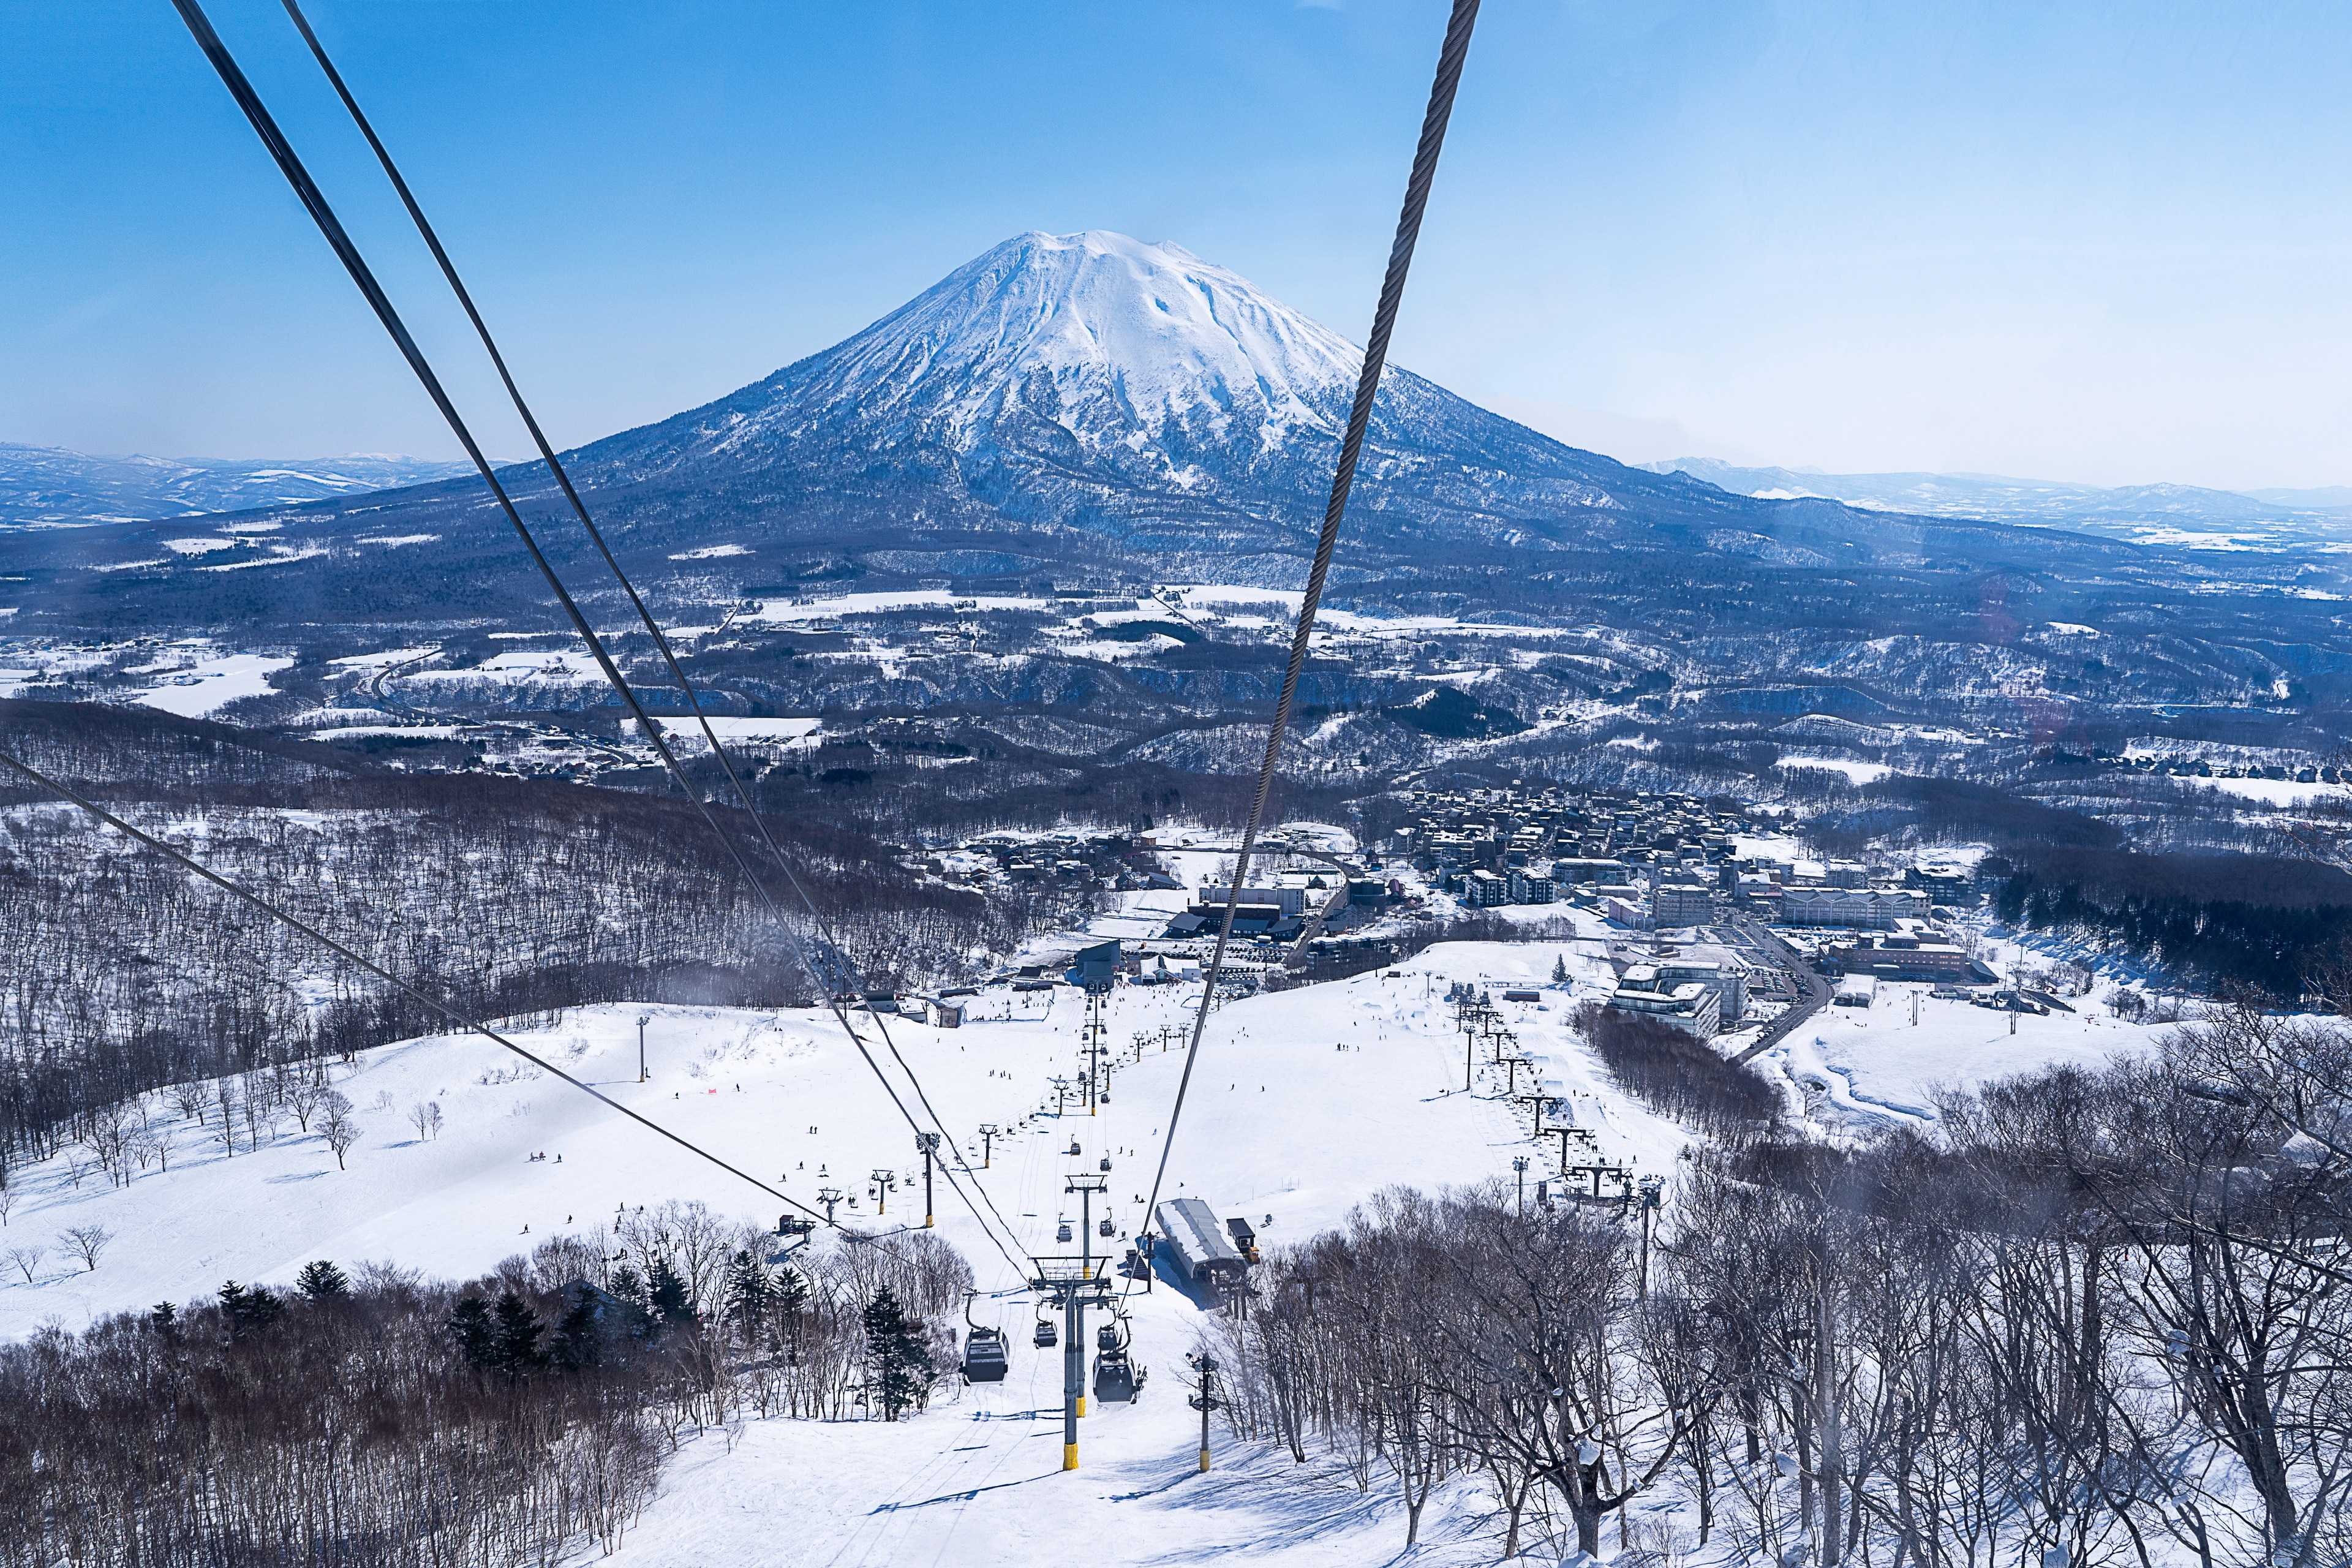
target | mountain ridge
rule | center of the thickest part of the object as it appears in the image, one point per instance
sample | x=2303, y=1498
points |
x=1084, y=405
x=1096, y=381
x=56, y=487
x=2193, y=516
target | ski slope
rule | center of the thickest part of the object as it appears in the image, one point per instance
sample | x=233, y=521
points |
x=1304, y=1103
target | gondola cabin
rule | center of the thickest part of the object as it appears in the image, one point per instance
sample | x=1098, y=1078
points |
x=984, y=1359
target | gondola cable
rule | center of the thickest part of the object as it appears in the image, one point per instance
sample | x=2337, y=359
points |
x=827, y=983
x=1450, y=57
x=314, y=201
x=463, y=1020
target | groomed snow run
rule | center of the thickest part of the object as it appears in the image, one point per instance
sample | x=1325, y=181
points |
x=1305, y=1102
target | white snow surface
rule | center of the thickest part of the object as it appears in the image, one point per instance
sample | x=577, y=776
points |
x=1167, y=335
x=2274, y=792
x=1304, y=1103
x=1858, y=772
x=1156, y=362
x=212, y=684
x=1875, y=1066
x=745, y=729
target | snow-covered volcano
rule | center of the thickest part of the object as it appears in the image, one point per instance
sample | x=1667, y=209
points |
x=1093, y=349
x=1082, y=401
x=1132, y=350
x=1122, y=387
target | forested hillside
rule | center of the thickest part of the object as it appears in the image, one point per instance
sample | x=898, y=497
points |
x=121, y=973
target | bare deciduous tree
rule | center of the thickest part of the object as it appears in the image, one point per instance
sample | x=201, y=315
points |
x=87, y=1242
x=337, y=1127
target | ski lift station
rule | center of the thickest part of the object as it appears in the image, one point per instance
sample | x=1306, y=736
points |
x=1196, y=1244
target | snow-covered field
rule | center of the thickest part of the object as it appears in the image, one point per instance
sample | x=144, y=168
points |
x=2275, y=792
x=1856, y=773
x=746, y=729
x=208, y=685
x=1874, y=1065
x=1304, y=1103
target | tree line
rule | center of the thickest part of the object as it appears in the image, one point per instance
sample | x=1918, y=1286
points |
x=2277, y=925
x=377, y=1418
x=120, y=972
x=2100, y=1320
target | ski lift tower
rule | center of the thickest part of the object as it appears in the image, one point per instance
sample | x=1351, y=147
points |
x=1069, y=1284
x=1651, y=1190
x=1087, y=1187
x=1095, y=970
x=927, y=1145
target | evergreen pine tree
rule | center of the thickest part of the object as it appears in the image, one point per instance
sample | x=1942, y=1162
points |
x=792, y=1303
x=629, y=1289
x=575, y=1345
x=749, y=1291
x=665, y=1293
x=898, y=1365
x=322, y=1282
x=476, y=1333
x=1560, y=970
x=515, y=1330
x=248, y=1310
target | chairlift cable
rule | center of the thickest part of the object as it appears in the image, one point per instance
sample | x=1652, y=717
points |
x=1451, y=54
x=315, y=202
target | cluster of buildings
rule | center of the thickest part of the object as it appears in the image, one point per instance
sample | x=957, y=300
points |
x=1494, y=846
x=1845, y=893
x=1082, y=860
x=1340, y=897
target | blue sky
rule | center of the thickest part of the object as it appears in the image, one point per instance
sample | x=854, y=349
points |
x=2105, y=243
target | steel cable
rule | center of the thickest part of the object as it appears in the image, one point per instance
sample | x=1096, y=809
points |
x=314, y=201
x=462, y=1020
x=1450, y=57
x=827, y=983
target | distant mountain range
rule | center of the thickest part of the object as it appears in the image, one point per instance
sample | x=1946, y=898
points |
x=2184, y=516
x=1089, y=408
x=1082, y=412
x=50, y=486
